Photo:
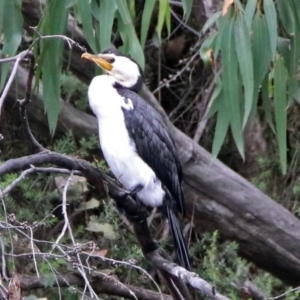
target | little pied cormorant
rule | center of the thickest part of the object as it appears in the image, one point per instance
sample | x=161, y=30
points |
x=135, y=141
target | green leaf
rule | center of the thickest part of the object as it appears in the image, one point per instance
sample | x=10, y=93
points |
x=216, y=98
x=249, y=12
x=164, y=10
x=206, y=49
x=12, y=25
x=124, y=11
x=231, y=84
x=244, y=55
x=220, y=131
x=146, y=18
x=267, y=103
x=261, y=53
x=280, y=105
x=287, y=16
x=85, y=13
x=107, y=14
x=283, y=46
x=131, y=45
x=211, y=20
x=51, y=58
x=187, y=8
x=271, y=18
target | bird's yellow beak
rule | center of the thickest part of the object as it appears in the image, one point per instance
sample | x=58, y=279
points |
x=99, y=59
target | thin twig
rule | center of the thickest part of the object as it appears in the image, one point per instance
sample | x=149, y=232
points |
x=17, y=60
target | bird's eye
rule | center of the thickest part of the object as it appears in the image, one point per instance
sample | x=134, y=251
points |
x=110, y=60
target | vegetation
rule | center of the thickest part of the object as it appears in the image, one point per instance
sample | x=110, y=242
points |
x=237, y=69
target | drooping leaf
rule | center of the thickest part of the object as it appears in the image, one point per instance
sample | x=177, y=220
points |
x=287, y=16
x=187, y=8
x=249, y=12
x=267, y=102
x=164, y=15
x=206, y=49
x=244, y=55
x=211, y=20
x=131, y=45
x=85, y=13
x=271, y=18
x=280, y=106
x=124, y=11
x=12, y=24
x=220, y=131
x=107, y=14
x=146, y=18
x=51, y=57
x=283, y=46
x=261, y=51
x=216, y=98
x=231, y=84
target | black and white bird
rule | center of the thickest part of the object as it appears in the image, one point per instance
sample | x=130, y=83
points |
x=135, y=141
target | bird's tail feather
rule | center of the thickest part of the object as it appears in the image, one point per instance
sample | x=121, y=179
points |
x=178, y=238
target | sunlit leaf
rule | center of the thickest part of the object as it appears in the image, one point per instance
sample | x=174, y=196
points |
x=12, y=23
x=187, y=8
x=271, y=18
x=231, y=84
x=146, y=18
x=107, y=14
x=267, y=102
x=163, y=15
x=85, y=13
x=280, y=105
x=211, y=20
x=249, y=12
x=244, y=55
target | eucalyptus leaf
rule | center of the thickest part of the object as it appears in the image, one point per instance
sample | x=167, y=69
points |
x=146, y=18
x=280, y=105
x=107, y=14
x=231, y=84
x=271, y=18
x=244, y=55
x=187, y=8
x=12, y=24
x=250, y=11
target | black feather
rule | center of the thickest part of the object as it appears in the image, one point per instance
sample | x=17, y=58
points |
x=156, y=147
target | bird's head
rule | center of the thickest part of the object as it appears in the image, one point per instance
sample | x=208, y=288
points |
x=123, y=69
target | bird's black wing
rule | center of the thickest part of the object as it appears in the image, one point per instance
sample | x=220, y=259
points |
x=154, y=144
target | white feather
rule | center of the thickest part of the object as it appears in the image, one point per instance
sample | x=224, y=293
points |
x=118, y=149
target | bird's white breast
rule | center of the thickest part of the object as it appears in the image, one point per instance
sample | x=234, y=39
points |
x=118, y=149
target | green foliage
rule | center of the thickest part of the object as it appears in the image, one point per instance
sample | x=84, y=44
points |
x=246, y=60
